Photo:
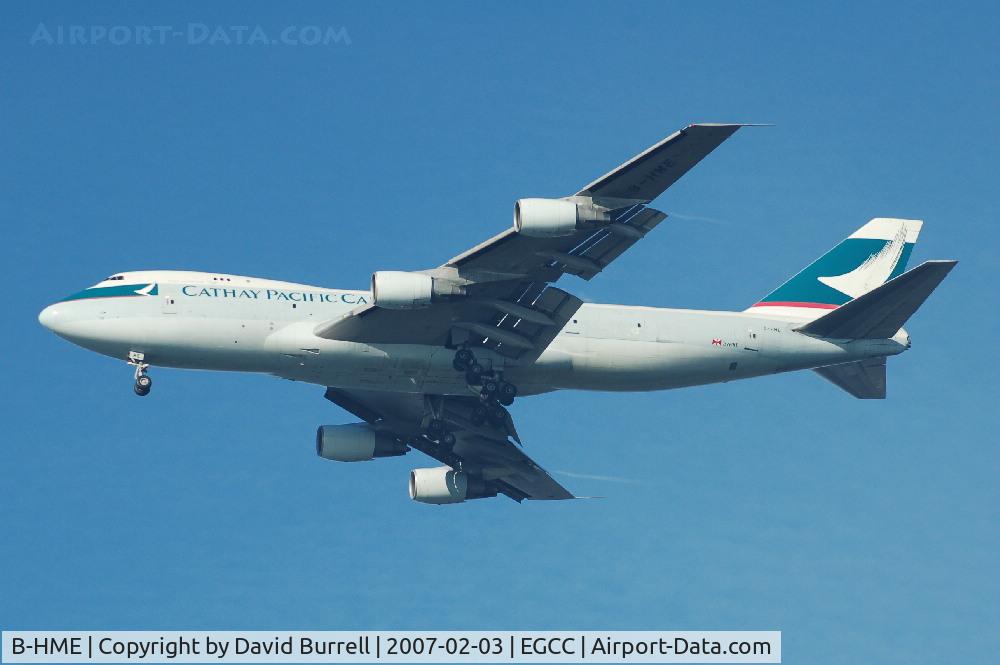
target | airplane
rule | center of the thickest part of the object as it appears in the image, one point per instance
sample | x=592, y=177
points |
x=430, y=360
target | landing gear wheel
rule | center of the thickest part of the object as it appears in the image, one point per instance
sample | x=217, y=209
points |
x=435, y=428
x=463, y=359
x=478, y=415
x=497, y=414
x=447, y=440
x=508, y=391
x=490, y=388
x=143, y=384
x=474, y=375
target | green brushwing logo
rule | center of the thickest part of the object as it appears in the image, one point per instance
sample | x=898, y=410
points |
x=116, y=291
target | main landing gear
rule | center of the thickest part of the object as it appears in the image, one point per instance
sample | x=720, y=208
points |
x=487, y=412
x=143, y=382
x=436, y=431
x=483, y=413
x=492, y=387
x=494, y=395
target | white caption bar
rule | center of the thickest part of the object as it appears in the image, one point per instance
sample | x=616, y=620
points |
x=392, y=647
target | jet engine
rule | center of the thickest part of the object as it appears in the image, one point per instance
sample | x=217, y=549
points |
x=552, y=218
x=443, y=485
x=393, y=289
x=357, y=442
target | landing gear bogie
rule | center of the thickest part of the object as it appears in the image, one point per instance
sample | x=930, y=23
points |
x=436, y=430
x=493, y=389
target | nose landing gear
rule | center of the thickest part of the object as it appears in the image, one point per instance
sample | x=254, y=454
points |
x=143, y=382
x=142, y=386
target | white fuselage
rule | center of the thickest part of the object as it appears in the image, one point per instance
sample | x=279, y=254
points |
x=232, y=323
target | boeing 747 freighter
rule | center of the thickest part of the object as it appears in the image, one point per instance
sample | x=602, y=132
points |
x=431, y=360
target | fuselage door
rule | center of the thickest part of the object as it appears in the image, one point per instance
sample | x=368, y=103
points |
x=169, y=303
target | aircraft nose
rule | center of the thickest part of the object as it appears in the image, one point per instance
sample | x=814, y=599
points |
x=49, y=317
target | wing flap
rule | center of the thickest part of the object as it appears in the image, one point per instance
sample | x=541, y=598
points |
x=557, y=306
x=548, y=309
x=609, y=243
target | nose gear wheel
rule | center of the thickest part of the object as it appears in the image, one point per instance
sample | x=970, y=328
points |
x=143, y=382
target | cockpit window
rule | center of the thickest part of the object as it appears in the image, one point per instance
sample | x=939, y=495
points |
x=115, y=278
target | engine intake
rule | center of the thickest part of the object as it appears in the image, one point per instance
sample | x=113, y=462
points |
x=553, y=218
x=444, y=485
x=393, y=289
x=357, y=442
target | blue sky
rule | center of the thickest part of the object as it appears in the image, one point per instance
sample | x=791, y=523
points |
x=865, y=531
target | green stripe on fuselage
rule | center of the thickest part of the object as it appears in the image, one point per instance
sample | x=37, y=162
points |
x=116, y=291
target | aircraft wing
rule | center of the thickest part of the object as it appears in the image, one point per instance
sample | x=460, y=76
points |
x=480, y=450
x=648, y=174
x=508, y=304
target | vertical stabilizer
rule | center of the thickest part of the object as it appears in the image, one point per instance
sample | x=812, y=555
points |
x=868, y=258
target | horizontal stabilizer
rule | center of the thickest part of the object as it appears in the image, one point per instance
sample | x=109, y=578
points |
x=864, y=379
x=881, y=312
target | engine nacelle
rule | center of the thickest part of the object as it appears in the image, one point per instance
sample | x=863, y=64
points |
x=545, y=218
x=444, y=484
x=552, y=218
x=393, y=289
x=357, y=442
